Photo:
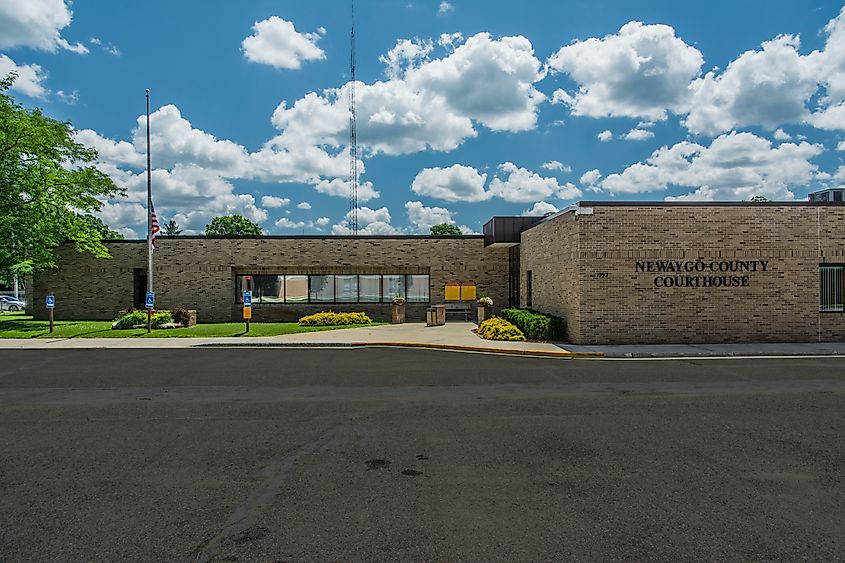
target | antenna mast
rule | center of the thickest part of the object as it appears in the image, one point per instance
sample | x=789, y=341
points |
x=353, y=137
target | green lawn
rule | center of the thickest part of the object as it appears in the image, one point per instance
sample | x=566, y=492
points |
x=19, y=325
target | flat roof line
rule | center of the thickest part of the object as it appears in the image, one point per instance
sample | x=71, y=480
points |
x=309, y=237
x=709, y=203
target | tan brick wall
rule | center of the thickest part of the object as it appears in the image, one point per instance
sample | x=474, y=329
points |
x=550, y=251
x=199, y=273
x=621, y=305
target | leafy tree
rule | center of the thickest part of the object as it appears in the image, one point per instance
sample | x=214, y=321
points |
x=446, y=230
x=96, y=224
x=759, y=198
x=231, y=226
x=48, y=185
x=172, y=229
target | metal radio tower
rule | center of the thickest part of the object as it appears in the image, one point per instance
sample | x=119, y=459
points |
x=353, y=138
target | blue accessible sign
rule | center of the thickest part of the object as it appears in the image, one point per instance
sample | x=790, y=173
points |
x=51, y=301
x=151, y=300
x=247, y=299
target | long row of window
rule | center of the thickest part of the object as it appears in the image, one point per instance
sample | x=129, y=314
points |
x=333, y=288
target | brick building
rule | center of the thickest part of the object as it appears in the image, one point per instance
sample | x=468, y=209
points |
x=290, y=276
x=689, y=272
x=616, y=272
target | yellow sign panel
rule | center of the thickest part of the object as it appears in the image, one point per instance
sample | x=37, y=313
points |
x=468, y=292
x=453, y=292
x=247, y=312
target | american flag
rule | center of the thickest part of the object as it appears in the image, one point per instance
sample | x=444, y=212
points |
x=155, y=228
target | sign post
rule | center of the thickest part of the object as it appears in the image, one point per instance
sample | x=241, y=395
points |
x=247, y=308
x=150, y=304
x=51, y=304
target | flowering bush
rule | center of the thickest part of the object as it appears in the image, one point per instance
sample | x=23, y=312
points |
x=496, y=328
x=485, y=301
x=138, y=317
x=330, y=318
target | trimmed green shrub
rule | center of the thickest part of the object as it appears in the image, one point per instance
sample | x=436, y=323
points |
x=495, y=328
x=536, y=326
x=330, y=318
x=138, y=317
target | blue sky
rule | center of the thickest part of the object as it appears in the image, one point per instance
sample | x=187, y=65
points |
x=466, y=109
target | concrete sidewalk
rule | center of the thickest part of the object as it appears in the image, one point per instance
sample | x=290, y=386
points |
x=452, y=336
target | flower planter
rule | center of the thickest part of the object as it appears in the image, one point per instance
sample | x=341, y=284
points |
x=483, y=313
x=397, y=313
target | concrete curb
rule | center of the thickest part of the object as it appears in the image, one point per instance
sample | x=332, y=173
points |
x=430, y=346
x=700, y=355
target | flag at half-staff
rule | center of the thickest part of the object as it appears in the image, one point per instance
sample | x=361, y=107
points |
x=154, y=228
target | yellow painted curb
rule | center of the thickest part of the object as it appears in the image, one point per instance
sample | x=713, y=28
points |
x=461, y=348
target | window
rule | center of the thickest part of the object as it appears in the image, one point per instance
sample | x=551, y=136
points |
x=392, y=286
x=831, y=291
x=322, y=289
x=346, y=289
x=296, y=289
x=417, y=289
x=528, y=280
x=269, y=289
x=332, y=288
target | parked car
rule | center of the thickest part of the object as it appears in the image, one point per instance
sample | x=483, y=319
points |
x=9, y=303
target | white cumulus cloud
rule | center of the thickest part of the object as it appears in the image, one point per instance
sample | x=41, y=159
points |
x=30, y=77
x=736, y=166
x=590, y=177
x=605, y=136
x=638, y=135
x=370, y=222
x=274, y=202
x=642, y=71
x=767, y=87
x=276, y=42
x=37, y=24
x=522, y=185
x=427, y=103
x=540, y=208
x=556, y=165
x=456, y=183
x=285, y=223
x=341, y=188
x=423, y=218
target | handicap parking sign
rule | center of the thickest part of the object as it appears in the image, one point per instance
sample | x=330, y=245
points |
x=51, y=301
x=247, y=299
x=151, y=300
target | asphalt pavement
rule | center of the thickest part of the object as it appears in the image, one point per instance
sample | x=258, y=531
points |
x=415, y=455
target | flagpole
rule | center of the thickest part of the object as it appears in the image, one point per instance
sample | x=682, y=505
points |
x=149, y=217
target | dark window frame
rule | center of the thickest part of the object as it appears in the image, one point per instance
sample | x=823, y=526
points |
x=257, y=297
x=839, y=281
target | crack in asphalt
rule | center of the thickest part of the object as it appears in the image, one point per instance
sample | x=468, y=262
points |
x=241, y=525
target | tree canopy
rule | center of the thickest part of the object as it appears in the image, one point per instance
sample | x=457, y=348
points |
x=445, y=229
x=231, y=226
x=96, y=224
x=172, y=229
x=48, y=185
